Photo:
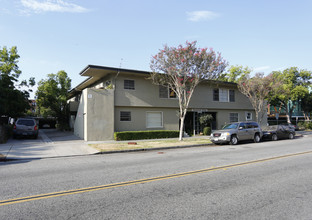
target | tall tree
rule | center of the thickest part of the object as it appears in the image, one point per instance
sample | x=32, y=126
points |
x=258, y=90
x=234, y=73
x=306, y=104
x=182, y=68
x=294, y=86
x=52, y=96
x=13, y=96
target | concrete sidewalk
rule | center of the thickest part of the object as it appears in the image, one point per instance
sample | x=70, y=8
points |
x=50, y=143
x=53, y=143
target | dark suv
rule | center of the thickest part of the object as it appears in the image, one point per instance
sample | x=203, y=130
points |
x=25, y=127
x=237, y=131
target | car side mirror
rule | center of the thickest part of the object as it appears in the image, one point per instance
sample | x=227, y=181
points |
x=240, y=128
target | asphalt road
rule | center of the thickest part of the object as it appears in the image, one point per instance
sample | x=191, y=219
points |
x=269, y=180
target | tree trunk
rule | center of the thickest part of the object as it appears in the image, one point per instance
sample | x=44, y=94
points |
x=181, y=127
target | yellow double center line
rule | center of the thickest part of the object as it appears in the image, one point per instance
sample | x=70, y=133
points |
x=115, y=185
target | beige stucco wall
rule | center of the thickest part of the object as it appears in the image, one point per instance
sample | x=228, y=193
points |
x=147, y=95
x=79, y=121
x=138, y=119
x=223, y=116
x=95, y=116
x=99, y=123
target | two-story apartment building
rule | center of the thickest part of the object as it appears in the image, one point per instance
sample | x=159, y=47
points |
x=113, y=99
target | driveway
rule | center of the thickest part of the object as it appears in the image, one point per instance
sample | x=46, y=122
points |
x=50, y=143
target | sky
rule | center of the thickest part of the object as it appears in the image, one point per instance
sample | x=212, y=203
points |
x=54, y=35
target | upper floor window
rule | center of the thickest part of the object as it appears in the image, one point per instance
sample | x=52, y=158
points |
x=224, y=95
x=232, y=95
x=165, y=93
x=129, y=84
x=216, y=95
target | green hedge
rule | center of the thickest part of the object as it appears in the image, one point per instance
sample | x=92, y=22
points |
x=207, y=131
x=140, y=135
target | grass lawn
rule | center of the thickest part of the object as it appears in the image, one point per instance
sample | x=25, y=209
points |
x=145, y=144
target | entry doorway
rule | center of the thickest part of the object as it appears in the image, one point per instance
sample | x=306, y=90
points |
x=192, y=125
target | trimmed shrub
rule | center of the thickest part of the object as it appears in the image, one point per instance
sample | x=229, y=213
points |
x=140, y=135
x=207, y=131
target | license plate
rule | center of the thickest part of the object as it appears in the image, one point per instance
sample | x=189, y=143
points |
x=24, y=133
x=216, y=139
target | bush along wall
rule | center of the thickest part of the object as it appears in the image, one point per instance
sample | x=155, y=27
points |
x=140, y=135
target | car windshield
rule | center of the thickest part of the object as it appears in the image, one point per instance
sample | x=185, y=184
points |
x=25, y=122
x=230, y=126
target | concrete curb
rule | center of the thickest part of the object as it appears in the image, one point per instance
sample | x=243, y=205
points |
x=153, y=149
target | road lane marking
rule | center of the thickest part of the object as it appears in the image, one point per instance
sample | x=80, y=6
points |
x=147, y=180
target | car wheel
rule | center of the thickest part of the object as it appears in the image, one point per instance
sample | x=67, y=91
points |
x=233, y=140
x=274, y=137
x=291, y=136
x=257, y=138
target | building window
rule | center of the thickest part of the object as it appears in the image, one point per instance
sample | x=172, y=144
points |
x=129, y=84
x=165, y=93
x=224, y=95
x=233, y=117
x=248, y=116
x=125, y=116
x=216, y=95
x=232, y=95
x=154, y=119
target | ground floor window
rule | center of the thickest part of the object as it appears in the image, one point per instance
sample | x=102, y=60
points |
x=233, y=117
x=154, y=119
x=248, y=116
x=125, y=116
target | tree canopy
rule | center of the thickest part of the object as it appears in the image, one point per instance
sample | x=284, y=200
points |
x=182, y=68
x=234, y=73
x=294, y=86
x=13, y=99
x=52, y=96
x=258, y=89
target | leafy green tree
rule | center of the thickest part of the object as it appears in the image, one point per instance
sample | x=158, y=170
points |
x=182, y=68
x=234, y=73
x=52, y=97
x=306, y=104
x=13, y=96
x=294, y=86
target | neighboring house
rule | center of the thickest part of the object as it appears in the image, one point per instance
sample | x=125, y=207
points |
x=113, y=99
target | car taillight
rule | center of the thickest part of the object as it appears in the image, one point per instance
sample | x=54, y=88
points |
x=35, y=128
x=14, y=127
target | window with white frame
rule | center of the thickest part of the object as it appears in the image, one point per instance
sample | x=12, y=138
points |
x=129, y=84
x=166, y=93
x=224, y=95
x=233, y=117
x=248, y=116
x=125, y=116
x=154, y=119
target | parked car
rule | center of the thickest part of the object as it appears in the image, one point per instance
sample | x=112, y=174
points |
x=275, y=132
x=25, y=127
x=238, y=131
x=295, y=127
